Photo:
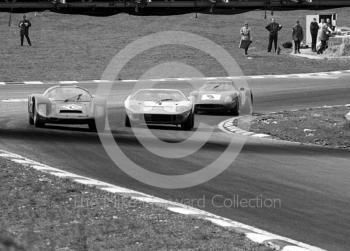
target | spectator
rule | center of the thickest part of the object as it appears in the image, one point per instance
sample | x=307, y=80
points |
x=273, y=29
x=325, y=33
x=24, y=30
x=314, y=27
x=329, y=24
x=298, y=36
x=246, y=37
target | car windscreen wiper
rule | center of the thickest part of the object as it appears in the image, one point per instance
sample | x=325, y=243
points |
x=166, y=99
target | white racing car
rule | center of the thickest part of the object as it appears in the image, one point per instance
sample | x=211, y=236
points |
x=67, y=104
x=159, y=106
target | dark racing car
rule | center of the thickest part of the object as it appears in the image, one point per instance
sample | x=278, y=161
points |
x=219, y=95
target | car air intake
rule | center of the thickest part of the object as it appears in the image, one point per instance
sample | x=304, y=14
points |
x=70, y=111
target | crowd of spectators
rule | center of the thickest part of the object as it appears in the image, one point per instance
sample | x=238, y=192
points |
x=319, y=31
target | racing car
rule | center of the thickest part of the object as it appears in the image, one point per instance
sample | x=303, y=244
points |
x=159, y=106
x=67, y=104
x=218, y=95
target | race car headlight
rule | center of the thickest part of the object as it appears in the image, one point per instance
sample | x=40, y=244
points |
x=228, y=99
x=182, y=108
x=42, y=109
x=134, y=108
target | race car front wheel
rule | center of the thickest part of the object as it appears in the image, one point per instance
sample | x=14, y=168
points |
x=36, y=120
x=235, y=110
x=189, y=123
x=101, y=123
x=30, y=120
x=127, y=121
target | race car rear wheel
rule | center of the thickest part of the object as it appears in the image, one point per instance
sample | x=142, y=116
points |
x=189, y=123
x=127, y=121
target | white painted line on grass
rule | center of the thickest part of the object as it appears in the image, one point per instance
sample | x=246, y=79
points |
x=302, y=75
x=41, y=167
x=293, y=248
x=90, y=182
x=64, y=174
x=259, y=238
x=184, y=211
x=14, y=100
x=5, y=155
x=116, y=190
x=69, y=82
x=33, y=82
x=129, y=80
x=256, y=77
x=184, y=79
x=101, y=81
x=150, y=199
x=260, y=135
x=279, y=76
x=219, y=222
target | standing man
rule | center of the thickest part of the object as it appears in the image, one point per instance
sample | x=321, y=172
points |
x=298, y=36
x=325, y=33
x=246, y=37
x=273, y=29
x=314, y=27
x=24, y=30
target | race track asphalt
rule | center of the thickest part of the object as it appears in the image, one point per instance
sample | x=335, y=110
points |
x=311, y=183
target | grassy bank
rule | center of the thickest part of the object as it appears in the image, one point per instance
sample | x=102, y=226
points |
x=321, y=126
x=79, y=47
x=41, y=212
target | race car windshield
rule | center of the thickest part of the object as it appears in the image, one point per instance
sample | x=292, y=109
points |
x=159, y=96
x=68, y=94
x=217, y=87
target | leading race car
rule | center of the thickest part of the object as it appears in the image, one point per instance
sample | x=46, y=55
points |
x=67, y=104
x=219, y=95
x=159, y=106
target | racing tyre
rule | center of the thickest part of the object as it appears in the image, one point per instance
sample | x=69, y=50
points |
x=127, y=121
x=101, y=123
x=188, y=124
x=235, y=111
x=30, y=120
x=92, y=126
x=36, y=120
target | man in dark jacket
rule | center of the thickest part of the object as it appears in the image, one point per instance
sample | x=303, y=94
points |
x=314, y=27
x=273, y=29
x=24, y=30
x=298, y=36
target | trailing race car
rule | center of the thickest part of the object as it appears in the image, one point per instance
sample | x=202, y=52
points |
x=159, y=106
x=219, y=95
x=67, y=104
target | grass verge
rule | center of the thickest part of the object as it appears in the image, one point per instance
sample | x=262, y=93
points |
x=79, y=47
x=321, y=126
x=42, y=212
